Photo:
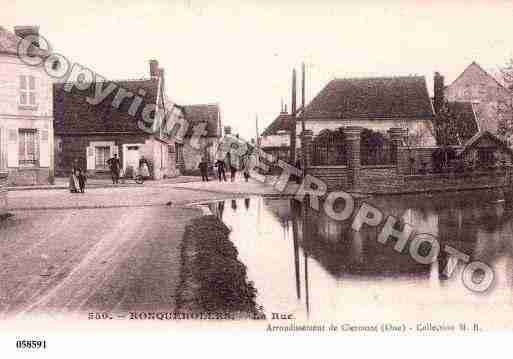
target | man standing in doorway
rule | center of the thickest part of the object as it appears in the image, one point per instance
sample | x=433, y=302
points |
x=114, y=166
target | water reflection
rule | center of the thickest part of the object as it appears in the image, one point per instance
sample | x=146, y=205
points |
x=303, y=262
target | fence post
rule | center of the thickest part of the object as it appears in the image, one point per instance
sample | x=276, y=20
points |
x=508, y=190
x=353, y=138
x=397, y=136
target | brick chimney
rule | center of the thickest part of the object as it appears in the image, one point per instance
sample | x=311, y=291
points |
x=24, y=31
x=154, y=68
x=438, y=99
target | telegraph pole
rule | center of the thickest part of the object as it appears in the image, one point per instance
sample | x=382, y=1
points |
x=256, y=127
x=303, y=97
x=293, y=119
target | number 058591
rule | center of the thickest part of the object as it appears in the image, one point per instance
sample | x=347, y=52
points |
x=31, y=344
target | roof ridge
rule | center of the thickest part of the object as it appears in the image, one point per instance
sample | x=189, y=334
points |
x=483, y=70
x=111, y=80
x=204, y=104
x=379, y=77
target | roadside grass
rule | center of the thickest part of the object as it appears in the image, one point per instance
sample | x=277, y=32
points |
x=213, y=280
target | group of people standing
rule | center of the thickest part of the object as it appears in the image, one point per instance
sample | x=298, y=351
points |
x=77, y=179
x=227, y=163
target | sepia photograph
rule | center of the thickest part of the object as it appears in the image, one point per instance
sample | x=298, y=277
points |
x=270, y=168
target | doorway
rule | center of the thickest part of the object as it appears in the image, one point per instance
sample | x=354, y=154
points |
x=131, y=156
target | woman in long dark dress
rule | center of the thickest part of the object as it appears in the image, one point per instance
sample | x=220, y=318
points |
x=74, y=185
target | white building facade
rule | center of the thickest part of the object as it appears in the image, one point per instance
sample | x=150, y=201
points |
x=26, y=117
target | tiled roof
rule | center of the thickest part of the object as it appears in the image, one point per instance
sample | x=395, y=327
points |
x=9, y=44
x=208, y=113
x=72, y=112
x=372, y=98
x=282, y=123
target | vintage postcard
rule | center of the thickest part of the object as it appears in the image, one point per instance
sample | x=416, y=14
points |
x=277, y=167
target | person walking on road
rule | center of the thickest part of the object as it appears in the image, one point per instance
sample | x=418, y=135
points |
x=221, y=172
x=245, y=168
x=114, y=166
x=203, y=167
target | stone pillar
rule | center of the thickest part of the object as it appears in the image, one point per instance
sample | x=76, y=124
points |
x=306, y=148
x=508, y=189
x=3, y=192
x=398, y=137
x=353, y=139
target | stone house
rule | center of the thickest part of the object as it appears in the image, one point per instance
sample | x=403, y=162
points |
x=195, y=146
x=378, y=104
x=486, y=93
x=93, y=133
x=26, y=113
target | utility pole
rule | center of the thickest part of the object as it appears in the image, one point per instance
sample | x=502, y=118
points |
x=303, y=97
x=304, y=165
x=293, y=119
x=256, y=152
x=257, y=139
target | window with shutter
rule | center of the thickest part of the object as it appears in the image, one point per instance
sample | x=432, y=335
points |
x=23, y=90
x=27, y=145
x=28, y=90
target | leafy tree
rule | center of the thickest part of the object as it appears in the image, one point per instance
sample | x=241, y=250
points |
x=448, y=127
x=505, y=108
x=507, y=74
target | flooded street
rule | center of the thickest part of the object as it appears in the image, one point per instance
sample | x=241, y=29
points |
x=317, y=268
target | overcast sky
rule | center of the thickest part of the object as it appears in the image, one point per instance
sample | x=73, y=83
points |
x=241, y=53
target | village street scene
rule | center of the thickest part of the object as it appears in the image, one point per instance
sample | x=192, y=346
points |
x=138, y=186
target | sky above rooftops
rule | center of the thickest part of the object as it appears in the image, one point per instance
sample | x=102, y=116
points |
x=241, y=53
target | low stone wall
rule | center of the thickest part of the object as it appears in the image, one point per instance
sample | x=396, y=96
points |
x=436, y=182
x=377, y=172
x=335, y=177
x=385, y=180
x=28, y=176
x=473, y=180
x=3, y=193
